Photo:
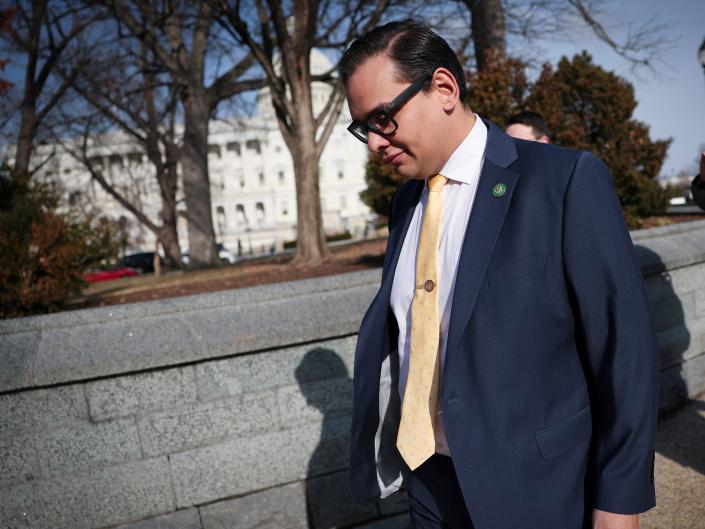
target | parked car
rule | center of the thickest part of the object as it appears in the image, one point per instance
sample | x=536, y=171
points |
x=108, y=275
x=142, y=261
x=224, y=254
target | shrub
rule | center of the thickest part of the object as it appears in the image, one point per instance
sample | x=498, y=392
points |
x=43, y=253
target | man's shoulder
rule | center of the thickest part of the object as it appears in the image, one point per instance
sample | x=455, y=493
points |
x=548, y=153
x=550, y=164
x=529, y=157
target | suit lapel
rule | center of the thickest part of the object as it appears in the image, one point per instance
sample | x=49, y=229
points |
x=484, y=225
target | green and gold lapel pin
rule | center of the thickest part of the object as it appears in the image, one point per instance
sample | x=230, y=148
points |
x=499, y=190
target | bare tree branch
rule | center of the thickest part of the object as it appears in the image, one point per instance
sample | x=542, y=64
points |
x=334, y=104
x=641, y=47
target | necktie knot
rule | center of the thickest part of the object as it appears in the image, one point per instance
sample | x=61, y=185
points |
x=436, y=182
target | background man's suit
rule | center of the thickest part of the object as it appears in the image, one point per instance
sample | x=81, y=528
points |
x=549, y=392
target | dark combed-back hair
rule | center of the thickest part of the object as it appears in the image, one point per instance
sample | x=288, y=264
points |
x=530, y=119
x=415, y=49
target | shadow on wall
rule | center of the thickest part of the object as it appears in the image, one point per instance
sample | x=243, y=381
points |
x=325, y=383
x=327, y=386
x=679, y=436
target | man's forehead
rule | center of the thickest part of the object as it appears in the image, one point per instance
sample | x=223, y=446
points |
x=373, y=84
x=521, y=131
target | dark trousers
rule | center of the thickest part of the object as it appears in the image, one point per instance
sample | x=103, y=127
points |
x=435, y=499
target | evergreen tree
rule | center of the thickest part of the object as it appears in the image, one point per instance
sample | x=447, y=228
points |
x=499, y=90
x=587, y=107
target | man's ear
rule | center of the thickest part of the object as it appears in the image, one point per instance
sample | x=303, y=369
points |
x=446, y=88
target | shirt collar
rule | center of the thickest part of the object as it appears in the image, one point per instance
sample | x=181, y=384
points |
x=467, y=157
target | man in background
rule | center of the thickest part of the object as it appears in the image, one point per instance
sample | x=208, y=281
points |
x=528, y=126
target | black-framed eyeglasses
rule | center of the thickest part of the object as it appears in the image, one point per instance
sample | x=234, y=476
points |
x=382, y=122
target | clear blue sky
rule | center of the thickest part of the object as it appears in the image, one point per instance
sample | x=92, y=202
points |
x=671, y=102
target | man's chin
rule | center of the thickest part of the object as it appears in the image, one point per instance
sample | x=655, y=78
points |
x=406, y=175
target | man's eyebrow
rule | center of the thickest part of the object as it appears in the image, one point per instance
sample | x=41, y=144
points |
x=375, y=110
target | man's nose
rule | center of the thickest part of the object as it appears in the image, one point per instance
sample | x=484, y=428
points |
x=375, y=141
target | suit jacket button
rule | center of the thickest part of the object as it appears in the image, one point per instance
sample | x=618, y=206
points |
x=467, y=467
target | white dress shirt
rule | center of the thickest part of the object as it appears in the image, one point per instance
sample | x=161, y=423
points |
x=463, y=172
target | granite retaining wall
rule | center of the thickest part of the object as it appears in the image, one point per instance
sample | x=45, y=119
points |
x=232, y=409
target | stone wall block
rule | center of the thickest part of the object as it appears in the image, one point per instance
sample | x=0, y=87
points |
x=181, y=519
x=42, y=408
x=277, y=508
x=97, y=343
x=700, y=304
x=277, y=323
x=256, y=372
x=76, y=353
x=90, y=445
x=331, y=505
x=697, y=343
x=694, y=374
x=18, y=460
x=141, y=393
x=208, y=423
x=16, y=352
x=90, y=500
x=241, y=465
x=696, y=328
x=309, y=401
x=688, y=279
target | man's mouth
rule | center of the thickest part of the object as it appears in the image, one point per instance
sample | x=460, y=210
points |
x=390, y=158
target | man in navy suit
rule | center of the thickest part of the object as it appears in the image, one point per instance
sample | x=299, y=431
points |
x=545, y=411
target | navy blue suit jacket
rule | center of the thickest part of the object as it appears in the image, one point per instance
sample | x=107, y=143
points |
x=549, y=392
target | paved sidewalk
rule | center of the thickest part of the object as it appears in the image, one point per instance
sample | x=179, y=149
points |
x=680, y=470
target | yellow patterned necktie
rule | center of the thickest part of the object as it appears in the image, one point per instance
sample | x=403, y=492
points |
x=416, y=440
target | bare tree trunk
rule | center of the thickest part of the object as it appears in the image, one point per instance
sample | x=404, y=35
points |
x=488, y=28
x=170, y=242
x=157, y=262
x=25, y=138
x=311, y=246
x=168, y=234
x=194, y=164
